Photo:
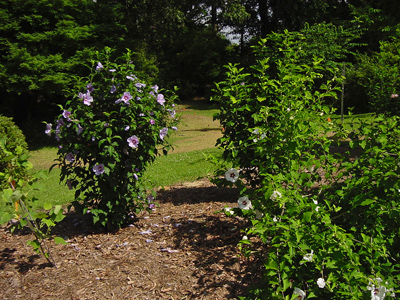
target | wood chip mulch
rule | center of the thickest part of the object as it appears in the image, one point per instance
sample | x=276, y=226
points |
x=186, y=249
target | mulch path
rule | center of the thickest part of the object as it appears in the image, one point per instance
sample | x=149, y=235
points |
x=186, y=249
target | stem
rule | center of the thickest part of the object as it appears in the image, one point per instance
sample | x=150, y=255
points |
x=34, y=228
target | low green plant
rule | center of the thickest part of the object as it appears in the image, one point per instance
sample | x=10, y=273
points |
x=321, y=198
x=111, y=129
x=13, y=138
x=16, y=201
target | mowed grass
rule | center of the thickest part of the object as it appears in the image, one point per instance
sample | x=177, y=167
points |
x=196, y=137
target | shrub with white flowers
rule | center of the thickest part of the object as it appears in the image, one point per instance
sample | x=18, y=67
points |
x=327, y=219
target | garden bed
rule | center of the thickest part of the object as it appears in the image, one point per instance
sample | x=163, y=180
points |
x=184, y=250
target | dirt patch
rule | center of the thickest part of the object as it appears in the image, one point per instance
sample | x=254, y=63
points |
x=185, y=249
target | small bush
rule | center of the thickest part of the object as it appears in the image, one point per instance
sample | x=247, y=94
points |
x=13, y=138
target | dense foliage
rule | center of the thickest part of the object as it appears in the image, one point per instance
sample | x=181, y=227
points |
x=378, y=77
x=12, y=138
x=185, y=43
x=113, y=126
x=323, y=201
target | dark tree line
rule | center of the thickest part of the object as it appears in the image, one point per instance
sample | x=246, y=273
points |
x=44, y=43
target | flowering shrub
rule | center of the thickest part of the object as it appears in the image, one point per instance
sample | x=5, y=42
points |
x=109, y=131
x=327, y=219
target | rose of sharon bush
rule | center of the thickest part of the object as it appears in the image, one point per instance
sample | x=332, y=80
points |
x=111, y=129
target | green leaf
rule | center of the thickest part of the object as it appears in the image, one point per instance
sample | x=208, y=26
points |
x=307, y=216
x=47, y=206
x=60, y=240
x=367, y=202
x=5, y=217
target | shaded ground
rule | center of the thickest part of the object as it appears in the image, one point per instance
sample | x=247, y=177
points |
x=184, y=250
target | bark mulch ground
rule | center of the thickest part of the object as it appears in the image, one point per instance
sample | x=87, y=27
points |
x=185, y=249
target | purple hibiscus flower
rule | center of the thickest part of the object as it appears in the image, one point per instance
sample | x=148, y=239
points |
x=98, y=169
x=87, y=99
x=70, y=157
x=80, y=129
x=160, y=99
x=99, y=67
x=66, y=114
x=125, y=98
x=48, y=129
x=133, y=141
x=163, y=133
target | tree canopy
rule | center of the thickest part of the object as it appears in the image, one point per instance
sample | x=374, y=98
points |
x=45, y=43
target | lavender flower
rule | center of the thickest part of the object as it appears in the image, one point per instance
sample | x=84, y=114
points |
x=131, y=77
x=113, y=89
x=87, y=99
x=171, y=112
x=99, y=67
x=80, y=129
x=127, y=128
x=70, y=157
x=98, y=169
x=66, y=114
x=160, y=99
x=163, y=133
x=155, y=88
x=152, y=122
x=140, y=85
x=133, y=141
x=90, y=87
x=125, y=98
x=48, y=129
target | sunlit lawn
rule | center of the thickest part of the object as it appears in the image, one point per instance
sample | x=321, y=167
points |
x=195, y=138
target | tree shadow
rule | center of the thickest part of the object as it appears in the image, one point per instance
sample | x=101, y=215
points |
x=213, y=240
x=23, y=263
x=198, y=194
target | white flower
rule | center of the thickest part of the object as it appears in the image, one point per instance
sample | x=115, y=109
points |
x=232, y=175
x=377, y=293
x=301, y=293
x=275, y=195
x=244, y=203
x=229, y=210
x=245, y=238
x=309, y=256
x=275, y=219
x=321, y=283
x=316, y=202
